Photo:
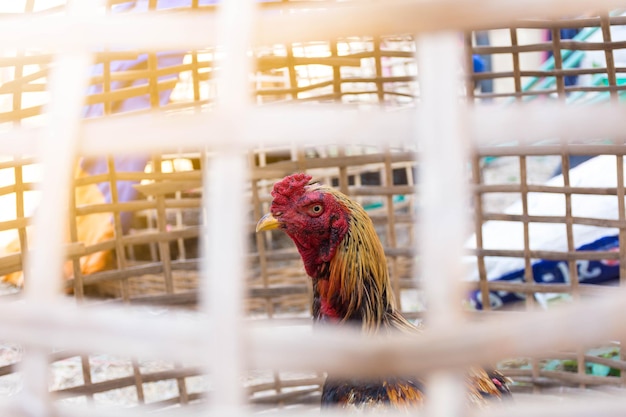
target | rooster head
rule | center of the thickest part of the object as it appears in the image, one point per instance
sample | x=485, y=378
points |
x=312, y=216
x=340, y=251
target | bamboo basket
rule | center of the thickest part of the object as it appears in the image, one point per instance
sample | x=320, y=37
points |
x=156, y=262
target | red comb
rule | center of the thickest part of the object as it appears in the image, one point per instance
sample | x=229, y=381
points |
x=290, y=187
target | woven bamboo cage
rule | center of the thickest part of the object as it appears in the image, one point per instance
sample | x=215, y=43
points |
x=145, y=251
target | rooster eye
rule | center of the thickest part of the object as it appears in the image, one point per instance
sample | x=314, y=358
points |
x=316, y=209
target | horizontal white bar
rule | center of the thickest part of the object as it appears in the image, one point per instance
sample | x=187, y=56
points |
x=123, y=31
x=583, y=405
x=445, y=349
x=278, y=125
x=127, y=332
x=305, y=124
x=526, y=123
x=284, y=24
x=579, y=404
x=379, y=18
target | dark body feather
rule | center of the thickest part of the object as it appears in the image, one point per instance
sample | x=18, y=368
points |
x=360, y=394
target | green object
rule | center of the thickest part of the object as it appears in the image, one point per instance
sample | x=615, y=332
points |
x=571, y=59
x=598, y=369
x=379, y=204
x=591, y=368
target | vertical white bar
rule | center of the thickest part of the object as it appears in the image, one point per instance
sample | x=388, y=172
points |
x=443, y=146
x=443, y=192
x=225, y=207
x=234, y=34
x=224, y=252
x=68, y=82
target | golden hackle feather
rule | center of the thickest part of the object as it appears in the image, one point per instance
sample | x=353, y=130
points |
x=361, y=257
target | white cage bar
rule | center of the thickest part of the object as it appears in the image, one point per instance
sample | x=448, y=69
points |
x=42, y=322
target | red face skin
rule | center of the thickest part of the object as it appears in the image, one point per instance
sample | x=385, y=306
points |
x=313, y=219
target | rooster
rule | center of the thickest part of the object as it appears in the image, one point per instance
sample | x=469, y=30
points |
x=344, y=257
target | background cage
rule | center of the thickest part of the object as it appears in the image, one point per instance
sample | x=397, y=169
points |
x=354, y=126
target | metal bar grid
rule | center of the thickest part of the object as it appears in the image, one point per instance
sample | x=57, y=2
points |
x=42, y=311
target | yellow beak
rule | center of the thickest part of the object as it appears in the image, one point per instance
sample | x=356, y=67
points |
x=267, y=222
